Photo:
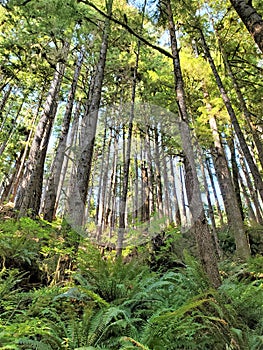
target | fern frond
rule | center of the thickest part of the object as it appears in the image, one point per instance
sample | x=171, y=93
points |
x=34, y=344
x=182, y=310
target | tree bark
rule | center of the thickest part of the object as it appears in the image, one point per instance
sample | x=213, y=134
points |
x=215, y=192
x=166, y=185
x=183, y=194
x=176, y=211
x=251, y=214
x=243, y=105
x=105, y=185
x=253, y=167
x=126, y=169
x=29, y=194
x=158, y=177
x=123, y=199
x=233, y=211
x=55, y=171
x=235, y=174
x=3, y=103
x=251, y=18
x=11, y=128
x=112, y=185
x=136, y=185
x=203, y=237
x=152, y=204
x=79, y=187
x=98, y=215
x=210, y=212
x=253, y=194
x=19, y=175
x=72, y=142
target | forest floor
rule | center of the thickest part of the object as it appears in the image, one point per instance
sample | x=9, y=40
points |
x=52, y=297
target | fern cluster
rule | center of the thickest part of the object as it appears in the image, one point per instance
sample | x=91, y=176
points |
x=108, y=304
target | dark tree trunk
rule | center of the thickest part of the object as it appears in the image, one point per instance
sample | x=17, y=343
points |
x=177, y=216
x=203, y=237
x=251, y=214
x=124, y=192
x=11, y=128
x=183, y=196
x=145, y=208
x=251, y=18
x=253, y=193
x=235, y=174
x=158, y=177
x=19, y=175
x=127, y=159
x=69, y=153
x=136, y=185
x=215, y=192
x=4, y=101
x=103, y=200
x=243, y=106
x=149, y=157
x=112, y=185
x=98, y=214
x=29, y=194
x=210, y=212
x=7, y=187
x=55, y=171
x=166, y=185
x=79, y=186
x=253, y=167
x=233, y=210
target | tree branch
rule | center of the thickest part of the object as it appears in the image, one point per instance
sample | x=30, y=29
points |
x=129, y=29
x=25, y=2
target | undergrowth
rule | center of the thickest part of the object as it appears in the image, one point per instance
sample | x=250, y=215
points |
x=109, y=304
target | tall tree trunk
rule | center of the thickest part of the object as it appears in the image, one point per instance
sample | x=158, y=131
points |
x=183, y=195
x=7, y=188
x=136, y=185
x=79, y=187
x=55, y=171
x=210, y=213
x=177, y=216
x=98, y=215
x=215, y=192
x=145, y=217
x=203, y=237
x=19, y=175
x=235, y=174
x=112, y=186
x=149, y=157
x=253, y=167
x=68, y=153
x=253, y=194
x=123, y=199
x=251, y=214
x=243, y=105
x=126, y=169
x=166, y=186
x=12, y=128
x=233, y=212
x=251, y=18
x=158, y=177
x=3, y=103
x=29, y=194
x=103, y=201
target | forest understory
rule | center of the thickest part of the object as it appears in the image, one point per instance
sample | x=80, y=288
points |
x=131, y=174
x=158, y=298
